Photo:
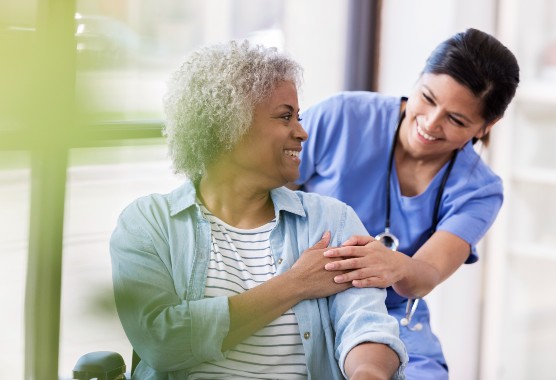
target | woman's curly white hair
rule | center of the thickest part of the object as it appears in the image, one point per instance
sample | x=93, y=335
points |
x=211, y=98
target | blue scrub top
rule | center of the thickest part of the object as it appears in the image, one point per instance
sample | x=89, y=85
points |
x=346, y=157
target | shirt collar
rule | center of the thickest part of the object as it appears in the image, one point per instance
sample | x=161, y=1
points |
x=287, y=200
x=283, y=198
x=182, y=198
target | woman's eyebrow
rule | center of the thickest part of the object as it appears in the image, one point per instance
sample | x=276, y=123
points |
x=289, y=107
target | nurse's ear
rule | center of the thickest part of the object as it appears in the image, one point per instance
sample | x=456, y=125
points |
x=485, y=130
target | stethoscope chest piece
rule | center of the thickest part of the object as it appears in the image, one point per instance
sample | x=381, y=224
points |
x=388, y=239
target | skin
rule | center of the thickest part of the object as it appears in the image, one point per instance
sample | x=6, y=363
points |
x=359, y=367
x=236, y=188
x=441, y=116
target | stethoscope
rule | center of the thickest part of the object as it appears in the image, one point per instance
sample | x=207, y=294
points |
x=391, y=241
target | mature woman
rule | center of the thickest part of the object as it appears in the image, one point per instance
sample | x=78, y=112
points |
x=409, y=169
x=224, y=277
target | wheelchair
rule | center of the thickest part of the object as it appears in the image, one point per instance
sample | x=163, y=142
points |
x=103, y=365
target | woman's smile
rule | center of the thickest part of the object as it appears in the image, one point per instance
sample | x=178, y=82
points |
x=294, y=154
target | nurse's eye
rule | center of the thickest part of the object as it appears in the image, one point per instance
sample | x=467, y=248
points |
x=427, y=98
x=456, y=121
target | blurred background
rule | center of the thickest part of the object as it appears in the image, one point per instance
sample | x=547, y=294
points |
x=81, y=84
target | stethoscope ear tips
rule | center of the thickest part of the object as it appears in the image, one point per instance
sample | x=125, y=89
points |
x=404, y=322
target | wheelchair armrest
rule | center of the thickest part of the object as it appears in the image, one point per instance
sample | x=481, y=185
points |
x=102, y=365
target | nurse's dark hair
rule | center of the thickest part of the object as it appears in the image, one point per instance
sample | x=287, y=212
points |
x=481, y=63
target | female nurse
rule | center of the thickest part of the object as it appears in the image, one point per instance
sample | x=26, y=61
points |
x=411, y=171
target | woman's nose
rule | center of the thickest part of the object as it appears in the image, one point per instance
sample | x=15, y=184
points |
x=300, y=133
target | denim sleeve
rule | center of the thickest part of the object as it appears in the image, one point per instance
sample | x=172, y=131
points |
x=359, y=315
x=167, y=332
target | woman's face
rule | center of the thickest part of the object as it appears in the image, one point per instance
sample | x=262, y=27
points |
x=270, y=150
x=441, y=116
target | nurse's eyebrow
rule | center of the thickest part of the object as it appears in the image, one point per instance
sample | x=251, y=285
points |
x=431, y=94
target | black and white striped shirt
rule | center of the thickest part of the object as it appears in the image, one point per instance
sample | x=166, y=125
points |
x=240, y=260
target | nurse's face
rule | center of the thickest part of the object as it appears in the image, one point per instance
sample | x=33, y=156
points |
x=441, y=116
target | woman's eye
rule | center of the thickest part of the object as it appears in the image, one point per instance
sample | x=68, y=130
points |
x=428, y=99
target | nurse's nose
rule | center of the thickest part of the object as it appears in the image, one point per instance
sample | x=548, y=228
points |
x=432, y=121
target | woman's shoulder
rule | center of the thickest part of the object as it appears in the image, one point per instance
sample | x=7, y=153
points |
x=306, y=203
x=309, y=199
x=157, y=205
x=323, y=213
x=314, y=201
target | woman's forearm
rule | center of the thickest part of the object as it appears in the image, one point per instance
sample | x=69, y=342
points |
x=371, y=361
x=306, y=279
x=252, y=310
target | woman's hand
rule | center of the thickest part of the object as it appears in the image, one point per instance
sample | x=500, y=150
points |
x=368, y=262
x=306, y=279
x=309, y=271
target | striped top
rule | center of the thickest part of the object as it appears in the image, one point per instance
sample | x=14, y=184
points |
x=240, y=260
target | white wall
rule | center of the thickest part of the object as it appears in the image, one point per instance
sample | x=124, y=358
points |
x=410, y=30
x=324, y=66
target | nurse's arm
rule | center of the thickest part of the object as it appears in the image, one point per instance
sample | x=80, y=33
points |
x=433, y=263
x=373, y=265
x=371, y=361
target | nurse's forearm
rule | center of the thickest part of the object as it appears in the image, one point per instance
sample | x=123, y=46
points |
x=420, y=278
x=433, y=263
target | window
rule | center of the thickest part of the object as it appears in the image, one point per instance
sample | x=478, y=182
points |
x=80, y=117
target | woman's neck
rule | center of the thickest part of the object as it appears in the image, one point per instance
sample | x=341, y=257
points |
x=235, y=201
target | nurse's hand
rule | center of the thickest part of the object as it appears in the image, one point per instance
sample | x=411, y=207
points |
x=369, y=262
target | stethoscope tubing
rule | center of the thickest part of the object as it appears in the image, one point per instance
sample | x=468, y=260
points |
x=390, y=240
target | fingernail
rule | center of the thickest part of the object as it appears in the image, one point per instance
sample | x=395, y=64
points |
x=330, y=266
x=338, y=279
x=325, y=234
x=327, y=253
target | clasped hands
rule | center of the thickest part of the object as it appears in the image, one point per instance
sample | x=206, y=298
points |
x=361, y=261
x=366, y=262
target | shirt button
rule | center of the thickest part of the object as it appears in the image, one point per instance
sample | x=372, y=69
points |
x=307, y=335
x=280, y=261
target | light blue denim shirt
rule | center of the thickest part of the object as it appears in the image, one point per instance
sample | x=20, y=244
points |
x=160, y=251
